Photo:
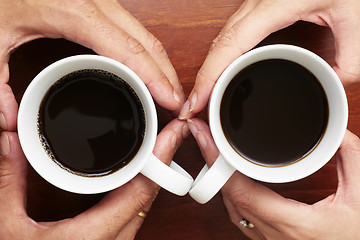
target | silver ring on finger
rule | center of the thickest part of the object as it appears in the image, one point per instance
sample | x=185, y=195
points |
x=244, y=223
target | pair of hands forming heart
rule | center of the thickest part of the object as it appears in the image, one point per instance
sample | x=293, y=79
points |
x=108, y=29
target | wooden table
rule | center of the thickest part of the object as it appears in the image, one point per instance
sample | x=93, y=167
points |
x=186, y=29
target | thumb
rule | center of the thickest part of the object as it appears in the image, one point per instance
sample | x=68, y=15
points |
x=261, y=204
x=13, y=169
x=117, y=213
x=201, y=132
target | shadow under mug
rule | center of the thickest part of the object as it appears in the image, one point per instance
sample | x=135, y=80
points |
x=173, y=178
x=210, y=181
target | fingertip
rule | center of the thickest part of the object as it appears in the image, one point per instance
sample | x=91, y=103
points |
x=181, y=131
x=201, y=139
x=175, y=125
x=201, y=132
x=198, y=135
x=192, y=127
x=170, y=139
x=185, y=130
x=185, y=111
x=174, y=140
x=11, y=148
x=165, y=145
x=165, y=95
x=3, y=123
x=193, y=101
x=200, y=125
x=204, y=84
x=8, y=108
x=15, y=152
x=4, y=144
x=176, y=97
x=191, y=106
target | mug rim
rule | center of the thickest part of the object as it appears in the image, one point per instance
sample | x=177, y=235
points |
x=30, y=141
x=332, y=136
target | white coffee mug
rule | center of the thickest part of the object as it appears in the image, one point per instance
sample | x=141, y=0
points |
x=173, y=178
x=210, y=181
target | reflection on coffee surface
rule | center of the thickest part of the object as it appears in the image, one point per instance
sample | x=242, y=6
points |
x=274, y=112
x=91, y=122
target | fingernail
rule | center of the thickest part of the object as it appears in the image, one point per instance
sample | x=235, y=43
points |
x=4, y=144
x=185, y=131
x=200, y=137
x=3, y=124
x=184, y=113
x=192, y=127
x=193, y=101
x=176, y=96
x=173, y=140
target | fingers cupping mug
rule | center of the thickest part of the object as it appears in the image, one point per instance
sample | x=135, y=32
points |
x=88, y=124
x=277, y=114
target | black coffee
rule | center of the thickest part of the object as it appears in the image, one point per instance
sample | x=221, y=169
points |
x=274, y=112
x=91, y=122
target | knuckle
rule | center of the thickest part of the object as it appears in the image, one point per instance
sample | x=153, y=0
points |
x=144, y=199
x=216, y=40
x=157, y=47
x=134, y=46
x=90, y=18
x=86, y=8
x=4, y=183
x=225, y=39
x=6, y=175
x=241, y=199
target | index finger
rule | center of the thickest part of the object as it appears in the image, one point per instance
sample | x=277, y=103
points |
x=87, y=25
x=121, y=17
x=235, y=40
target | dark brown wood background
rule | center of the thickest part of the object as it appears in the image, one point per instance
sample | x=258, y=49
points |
x=186, y=29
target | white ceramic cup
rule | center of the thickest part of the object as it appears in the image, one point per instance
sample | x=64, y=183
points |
x=210, y=181
x=173, y=178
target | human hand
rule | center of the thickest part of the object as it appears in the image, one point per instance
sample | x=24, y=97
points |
x=103, y=26
x=276, y=217
x=114, y=217
x=256, y=19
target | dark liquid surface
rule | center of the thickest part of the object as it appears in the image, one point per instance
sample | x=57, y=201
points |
x=91, y=122
x=274, y=112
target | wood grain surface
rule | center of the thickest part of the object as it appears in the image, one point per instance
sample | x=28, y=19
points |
x=186, y=28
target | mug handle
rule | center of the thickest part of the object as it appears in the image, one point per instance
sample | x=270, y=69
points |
x=210, y=181
x=172, y=178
